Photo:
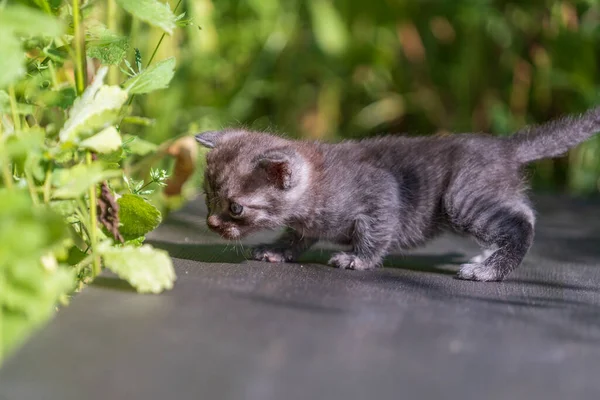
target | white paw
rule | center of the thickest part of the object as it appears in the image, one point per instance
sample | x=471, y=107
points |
x=266, y=253
x=349, y=261
x=482, y=257
x=478, y=272
x=478, y=259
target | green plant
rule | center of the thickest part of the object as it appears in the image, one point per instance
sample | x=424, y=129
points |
x=69, y=204
x=351, y=68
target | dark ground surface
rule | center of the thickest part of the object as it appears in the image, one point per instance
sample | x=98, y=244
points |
x=234, y=329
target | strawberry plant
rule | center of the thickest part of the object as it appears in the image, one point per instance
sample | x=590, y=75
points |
x=69, y=203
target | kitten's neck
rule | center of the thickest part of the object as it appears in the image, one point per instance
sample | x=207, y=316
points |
x=311, y=193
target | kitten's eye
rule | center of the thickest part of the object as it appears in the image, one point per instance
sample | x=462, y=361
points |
x=235, y=209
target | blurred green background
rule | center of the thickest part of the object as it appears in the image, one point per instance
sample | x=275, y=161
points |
x=347, y=69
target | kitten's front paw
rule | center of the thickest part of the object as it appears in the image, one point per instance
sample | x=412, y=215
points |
x=272, y=254
x=349, y=261
x=478, y=272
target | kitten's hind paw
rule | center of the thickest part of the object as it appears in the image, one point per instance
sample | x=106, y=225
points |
x=478, y=272
x=349, y=261
x=483, y=256
x=272, y=254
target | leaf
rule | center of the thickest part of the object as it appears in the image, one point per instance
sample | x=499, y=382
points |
x=137, y=216
x=136, y=120
x=37, y=228
x=139, y=146
x=151, y=11
x=63, y=98
x=28, y=21
x=105, y=141
x=6, y=108
x=138, y=59
x=107, y=47
x=12, y=60
x=147, y=269
x=75, y=181
x=26, y=293
x=24, y=144
x=137, y=242
x=328, y=27
x=23, y=310
x=30, y=281
x=155, y=77
x=75, y=256
x=97, y=107
x=66, y=208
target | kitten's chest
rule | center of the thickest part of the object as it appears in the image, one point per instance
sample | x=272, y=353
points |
x=335, y=230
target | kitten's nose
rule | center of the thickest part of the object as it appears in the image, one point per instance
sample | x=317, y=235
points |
x=213, y=222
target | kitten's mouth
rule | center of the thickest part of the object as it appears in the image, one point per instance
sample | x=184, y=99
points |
x=229, y=232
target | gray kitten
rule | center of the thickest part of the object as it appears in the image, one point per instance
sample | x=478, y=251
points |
x=381, y=193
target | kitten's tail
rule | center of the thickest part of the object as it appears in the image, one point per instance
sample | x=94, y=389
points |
x=556, y=137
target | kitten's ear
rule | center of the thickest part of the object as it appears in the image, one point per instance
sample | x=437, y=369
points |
x=209, y=139
x=283, y=167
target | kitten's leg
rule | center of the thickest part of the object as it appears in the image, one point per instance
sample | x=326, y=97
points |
x=509, y=226
x=287, y=248
x=486, y=252
x=370, y=243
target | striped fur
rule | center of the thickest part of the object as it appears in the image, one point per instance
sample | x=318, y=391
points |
x=383, y=193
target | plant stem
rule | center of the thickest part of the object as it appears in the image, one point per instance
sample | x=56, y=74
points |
x=79, y=50
x=144, y=187
x=46, y=6
x=2, y=284
x=84, y=263
x=32, y=188
x=83, y=220
x=47, y=186
x=154, y=52
x=111, y=24
x=6, y=174
x=161, y=38
x=53, y=75
x=93, y=223
x=13, y=108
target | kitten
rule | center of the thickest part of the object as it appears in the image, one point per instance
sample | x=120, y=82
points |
x=383, y=193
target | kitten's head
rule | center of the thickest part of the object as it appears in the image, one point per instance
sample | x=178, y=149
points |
x=252, y=181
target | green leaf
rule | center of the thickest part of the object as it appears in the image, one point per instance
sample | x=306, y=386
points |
x=31, y=282
x=28, y=21
x=136, y=120
x=25, y=149
x=37, y=228
x=105, y=141
x=75, y=181
x=328, y=27
x=136, y=242
x=12, y=59
x=66, y=208
x=63, y=98
x=5, y=105
x=155, y=77
x=106, y=46
x=75, y=256
x=25, y=309
x=137, y=216
x=151, y=11
x=147, y=269
x=24, y=144
x=97, y=107
x=139, y=146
